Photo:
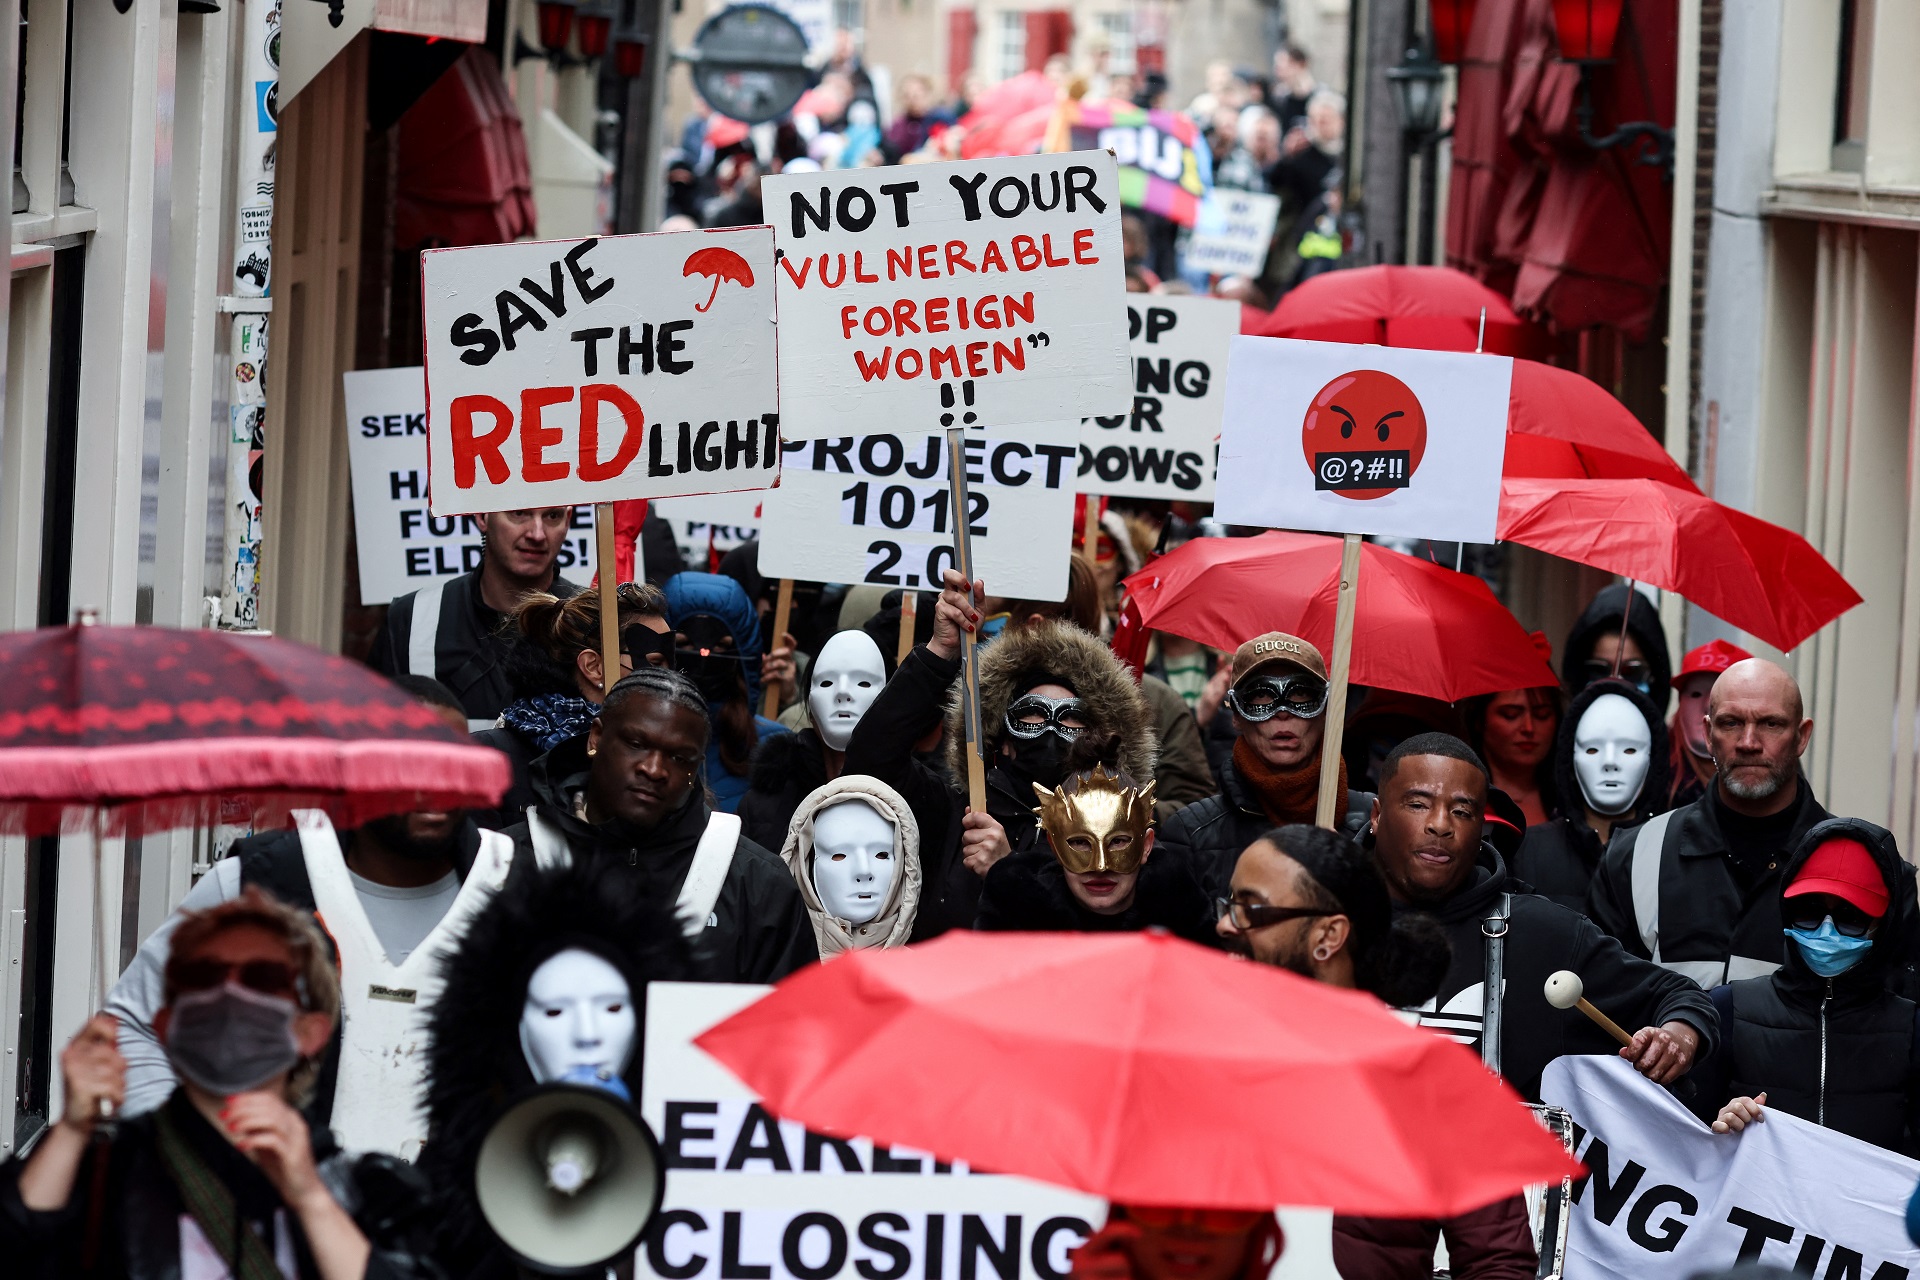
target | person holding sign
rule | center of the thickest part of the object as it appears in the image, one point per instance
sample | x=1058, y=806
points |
x=453, y=631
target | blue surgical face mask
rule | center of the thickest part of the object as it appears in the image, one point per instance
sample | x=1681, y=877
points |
x=1827, y=951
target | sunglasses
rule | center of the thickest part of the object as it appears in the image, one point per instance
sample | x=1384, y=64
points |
x=1850, y=921
x=1263, y=697
x=1031, y=715
x=1257, y=915
x=1221, y=1222
x=268, y=977
x=1635, y=672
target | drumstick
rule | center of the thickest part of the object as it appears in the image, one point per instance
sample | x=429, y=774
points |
x=1565, y=991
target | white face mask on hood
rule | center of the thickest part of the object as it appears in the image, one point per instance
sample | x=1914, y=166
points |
x=1612, y=752
x=846, y=677
x=862, y=901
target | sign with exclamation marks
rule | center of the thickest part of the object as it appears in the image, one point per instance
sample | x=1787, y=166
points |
x=967, y=419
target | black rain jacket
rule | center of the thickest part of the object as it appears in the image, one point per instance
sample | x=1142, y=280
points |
x=1028, y=892
x=1210, y=835
x=468, y=658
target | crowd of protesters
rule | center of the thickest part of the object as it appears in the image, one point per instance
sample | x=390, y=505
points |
x=1642, y=825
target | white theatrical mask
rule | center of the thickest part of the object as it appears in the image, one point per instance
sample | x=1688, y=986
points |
x=578, y=1019
x=846, y=678
x=1612, y=751
x=854, y=862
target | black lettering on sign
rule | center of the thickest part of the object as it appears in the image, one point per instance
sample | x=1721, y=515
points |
x=1362, y=469
x=656, y=1244
x=1609, y=1195
x=731, y=1266
x=884, y=1161
x=794, y=1237
x=899, y=1255
x=1003, y=1255
x=1671, y=1227
x=677, y=1131
x=816, y=1146
x=1759, y=1228
x=772, y=1149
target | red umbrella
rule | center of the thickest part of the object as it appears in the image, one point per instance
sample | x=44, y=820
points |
x=1764, y=579
x=1140, y=1068
x=721, y=264
x=1012, y=97
x=1561, y=425
x=132, y=729
x=1417, y=627
x=1437, y=308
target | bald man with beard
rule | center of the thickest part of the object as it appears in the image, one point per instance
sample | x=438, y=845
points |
x=1697, y=889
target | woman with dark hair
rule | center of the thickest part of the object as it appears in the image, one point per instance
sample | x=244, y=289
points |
x=717, y=646
x=1313, y=902
x=554, y=667
x=1514, y=733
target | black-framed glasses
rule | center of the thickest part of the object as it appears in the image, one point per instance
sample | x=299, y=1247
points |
x=1258, y=915
x=1808, y=914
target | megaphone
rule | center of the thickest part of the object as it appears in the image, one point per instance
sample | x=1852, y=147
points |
x=568, y=1177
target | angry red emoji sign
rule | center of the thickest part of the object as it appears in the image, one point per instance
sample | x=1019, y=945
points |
x=1364, y=435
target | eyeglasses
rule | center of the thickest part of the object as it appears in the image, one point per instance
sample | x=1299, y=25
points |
x=1804, y=913
x=1259, y=698
x=1634, y=671
x=1257, y=915
x=268, y=977
x=1031, y=715
x=1220, y=1222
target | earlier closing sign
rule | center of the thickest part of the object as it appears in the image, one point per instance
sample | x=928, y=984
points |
x=572, y=371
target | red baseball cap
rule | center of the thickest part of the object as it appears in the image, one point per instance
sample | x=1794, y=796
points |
x=1846, y=870
x=1714, y=656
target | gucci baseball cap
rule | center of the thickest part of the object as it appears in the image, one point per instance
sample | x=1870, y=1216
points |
x=1277, y=648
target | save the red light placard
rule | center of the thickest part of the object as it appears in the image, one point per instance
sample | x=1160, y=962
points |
x=594, y=370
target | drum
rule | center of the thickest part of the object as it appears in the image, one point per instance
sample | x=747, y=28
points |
x=1549, y=1206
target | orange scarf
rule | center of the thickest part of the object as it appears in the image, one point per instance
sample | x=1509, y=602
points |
x=1285, y=795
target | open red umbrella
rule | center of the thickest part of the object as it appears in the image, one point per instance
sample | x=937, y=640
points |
x=1140, y=1068
x=122, y=730
x=1563, y=425
x=1764, y=579
x=1437, y=308
x=1417, y=627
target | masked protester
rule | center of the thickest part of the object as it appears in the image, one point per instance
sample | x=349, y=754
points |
x=1610, y=767
x=1278, y=696
x=1310, y=901
x=558, y=677
x=1823, y=1037
x=1142, y=1242
x=717, y=646
x=1595, y=641
x=854, y=850
x=842, y=681
x=1098, y=873
x=629, y=794
x=549, y=984
x=1426, y=834
x=394, y=894
x=1053, y=702
x=1689, y=750
x=225, y=1178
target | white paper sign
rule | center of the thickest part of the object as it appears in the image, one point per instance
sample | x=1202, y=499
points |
x=925, y=296
x=711, y=524
x=402, y=547
x=874, y=509
x=595, y=370
x=1342, y=438
x=1164, y=447
x=1233, y=233
x=1666, y=1196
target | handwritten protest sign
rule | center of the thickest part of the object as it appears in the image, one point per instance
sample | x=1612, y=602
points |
x=402, y=547
x=875, y=509
x=1360, y=439
x=1164, y=447
x=595, y=370
x=922, y=297
x=1233, y=233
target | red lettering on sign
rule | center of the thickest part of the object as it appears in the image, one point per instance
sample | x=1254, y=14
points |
x=592, y=396
x=536, y=437
x=485, y=449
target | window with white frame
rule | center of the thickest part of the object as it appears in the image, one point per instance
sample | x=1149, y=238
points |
x=1013, y=43
x=1118, y=29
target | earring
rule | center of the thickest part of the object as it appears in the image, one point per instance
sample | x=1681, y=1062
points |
x=1321, y=954
x=593, y=751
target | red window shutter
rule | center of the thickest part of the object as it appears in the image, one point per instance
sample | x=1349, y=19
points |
x=962, y=26
x=1049, y=31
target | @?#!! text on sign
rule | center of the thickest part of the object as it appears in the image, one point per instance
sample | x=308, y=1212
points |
x=597, y=370
x=977, y=293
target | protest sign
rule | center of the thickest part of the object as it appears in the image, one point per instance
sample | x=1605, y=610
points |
x=402, y=547
x=1164, y=447
x=875, y=509
x=711, y=524
x=1164, y=164
x=1665, y=1195
x=1233, y=233
x=1360, y=439
x=602, y=369
x=922, y=297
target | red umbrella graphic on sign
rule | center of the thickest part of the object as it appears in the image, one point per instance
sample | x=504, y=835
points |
x=721, y=264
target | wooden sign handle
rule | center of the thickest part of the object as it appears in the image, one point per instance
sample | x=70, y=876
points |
x=609, y=596
x=909, y=607
x=782, y=615
x=969, y=667
x=1336, y=714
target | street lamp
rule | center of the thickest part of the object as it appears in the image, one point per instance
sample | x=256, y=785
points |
x=556, y=24
x=1586, y=31
x=593, y=27
x=630, y=55
x=1419, y=89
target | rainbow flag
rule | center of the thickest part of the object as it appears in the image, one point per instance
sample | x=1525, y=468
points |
x=1165, y=167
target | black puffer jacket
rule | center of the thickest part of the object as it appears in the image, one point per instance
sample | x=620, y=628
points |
x=1558, y=857
x=1602, y=617
x=1210, y=835
x=1840, y=1052
x=786, y=768
x=1028, y=892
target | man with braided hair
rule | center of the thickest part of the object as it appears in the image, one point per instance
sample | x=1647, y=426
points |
x=631, y=791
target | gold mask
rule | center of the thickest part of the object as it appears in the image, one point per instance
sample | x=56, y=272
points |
x=1101, y=825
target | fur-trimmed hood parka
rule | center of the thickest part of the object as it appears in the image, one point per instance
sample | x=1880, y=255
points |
x=475, y=1064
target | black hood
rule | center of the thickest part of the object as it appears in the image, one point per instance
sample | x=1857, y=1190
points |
x=1473, y=900
x=1890, y=943
x=1602, y=618
x=1653, y=792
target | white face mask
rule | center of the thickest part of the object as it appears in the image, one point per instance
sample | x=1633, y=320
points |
x=854, y=862
x=846, y=678
x=578, y=1020
x=1612, y=751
